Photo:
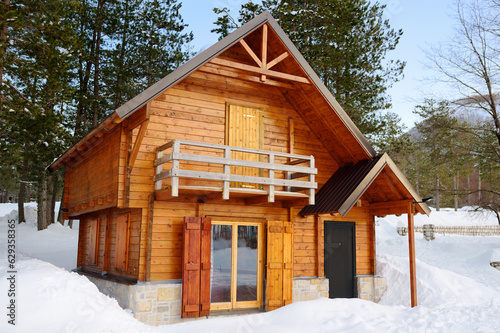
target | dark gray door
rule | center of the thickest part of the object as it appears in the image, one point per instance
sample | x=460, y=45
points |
x=340, y=258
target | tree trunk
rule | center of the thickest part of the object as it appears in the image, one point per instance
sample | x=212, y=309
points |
x=20, y=202
x=437, y=192
x=100, y=10
x=456, y=191
x=22, y=191
x=60, y=217
x=479, y=196
x=53, y=197
x=468, y=190
x=44, y=199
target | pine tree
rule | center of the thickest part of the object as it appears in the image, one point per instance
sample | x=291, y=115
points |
x=36, y=89
x=437, y=135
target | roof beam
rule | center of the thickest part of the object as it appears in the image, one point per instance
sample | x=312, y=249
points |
x=389, y=207
x=251, y=53
x=218, y=70
x=277, y=60
x=258, y=70
x=264, y=51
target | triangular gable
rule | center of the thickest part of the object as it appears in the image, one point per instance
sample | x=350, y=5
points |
x=224, y=44
x=346, y=186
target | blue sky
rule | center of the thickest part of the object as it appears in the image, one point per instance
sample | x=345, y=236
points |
x=425, y=23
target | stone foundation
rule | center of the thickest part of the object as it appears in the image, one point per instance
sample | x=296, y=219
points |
x=307, y=289
x=371, y=288
x=153, y=303
x=159, y=303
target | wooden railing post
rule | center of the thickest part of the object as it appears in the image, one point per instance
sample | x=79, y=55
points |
x=159, y=169
x=227, y=171
x=311, y=180
x=288, y=176
x=270, y=188
x=292, y=168
x=175, y=169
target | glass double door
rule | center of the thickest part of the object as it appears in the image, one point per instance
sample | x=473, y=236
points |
x=237, y=264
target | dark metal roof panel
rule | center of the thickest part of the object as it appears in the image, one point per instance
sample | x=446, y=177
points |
x=345, y=187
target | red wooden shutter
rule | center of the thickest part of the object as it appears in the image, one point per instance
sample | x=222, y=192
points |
x=121, y=245
x=196, y=267
x=279, y=284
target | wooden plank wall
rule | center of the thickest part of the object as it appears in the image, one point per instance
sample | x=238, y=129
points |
x=195, y=109
x=309, y=239
x=365, y=256
x=92, y=180
x=107, y=242
x=168, y=223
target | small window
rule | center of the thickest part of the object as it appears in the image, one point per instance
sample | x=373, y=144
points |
x=94, y=241
x=121, y=245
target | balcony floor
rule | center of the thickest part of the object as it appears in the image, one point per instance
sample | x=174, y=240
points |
x=166, y=194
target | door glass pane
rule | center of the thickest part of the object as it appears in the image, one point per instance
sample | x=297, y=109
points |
x=221, y=263
x=247, y=264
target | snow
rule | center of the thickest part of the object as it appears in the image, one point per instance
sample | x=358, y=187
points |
x=458, y=290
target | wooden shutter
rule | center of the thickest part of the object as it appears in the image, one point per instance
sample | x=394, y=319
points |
x=244, y=129
x=279, y=264
x=196, y=267
x=94, y=240
x=121, y=244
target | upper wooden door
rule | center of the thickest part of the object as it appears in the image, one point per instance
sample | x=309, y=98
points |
x=244, y=129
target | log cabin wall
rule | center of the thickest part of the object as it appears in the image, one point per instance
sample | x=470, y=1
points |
x=92, y=179
x=195, y=110
x=102, y=239
x=309, y=242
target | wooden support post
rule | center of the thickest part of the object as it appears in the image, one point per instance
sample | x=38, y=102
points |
x=311, y=179
x=227, y=171
x=291, y=147
x=411, y=245
x=150, y=236
x=159, y=169
x=175, y=170
x=320, y=235
x=264, y=51
x=271, y=177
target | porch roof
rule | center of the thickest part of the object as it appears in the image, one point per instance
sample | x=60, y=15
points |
x=379, y=179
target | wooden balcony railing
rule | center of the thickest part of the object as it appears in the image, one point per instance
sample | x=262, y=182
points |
x=172, y=165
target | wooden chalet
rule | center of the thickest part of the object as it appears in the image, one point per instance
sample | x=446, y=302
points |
x=236, y=182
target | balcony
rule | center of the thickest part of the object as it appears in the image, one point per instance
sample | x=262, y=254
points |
x=259, y=176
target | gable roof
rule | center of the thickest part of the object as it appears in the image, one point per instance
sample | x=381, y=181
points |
x=217, y=49
x=350, y=182
x=323, y=114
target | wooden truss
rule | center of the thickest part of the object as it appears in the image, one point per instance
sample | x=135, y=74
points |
x=263, y=67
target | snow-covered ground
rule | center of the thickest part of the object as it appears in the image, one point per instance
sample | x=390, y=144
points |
x=458, y=291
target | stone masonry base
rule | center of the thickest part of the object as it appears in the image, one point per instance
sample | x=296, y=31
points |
x=159, y=303
x=307, y=289
x=371, y=288
x=151, y=303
